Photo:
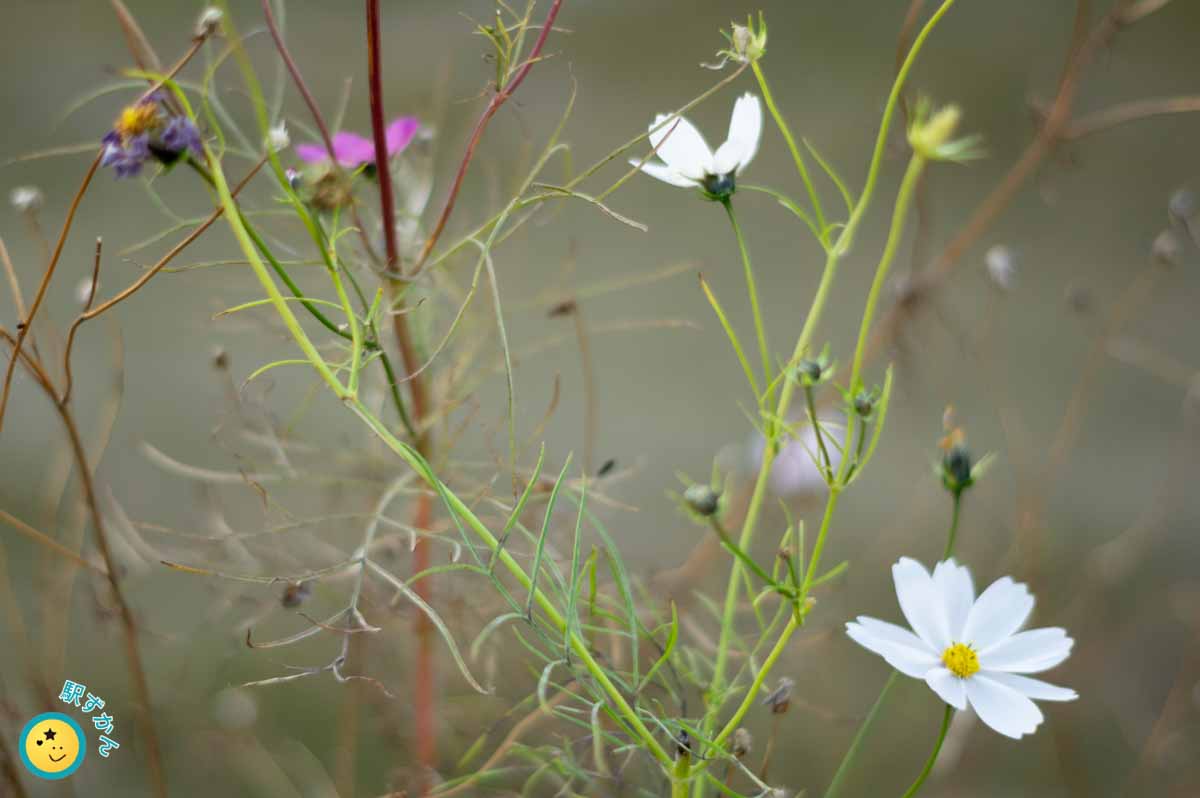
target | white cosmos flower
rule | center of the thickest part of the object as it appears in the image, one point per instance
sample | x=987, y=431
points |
x=687, y=161
x=968, y=649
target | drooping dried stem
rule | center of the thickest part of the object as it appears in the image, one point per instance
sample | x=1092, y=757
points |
x=137, y=673
x=91, y=313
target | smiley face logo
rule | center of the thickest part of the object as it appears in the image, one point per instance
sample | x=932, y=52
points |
x=52, y=746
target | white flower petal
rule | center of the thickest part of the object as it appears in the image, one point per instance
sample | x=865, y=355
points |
x=958, y=595
x=949, y=687
x=663, y=173
x=729, y=157
x=1032, y=688
x=921, y=603
x=681, y=146
x=1002, y=707
x=902, y=649
x=745, y=130
x=1001, y=610
x=1031, y=651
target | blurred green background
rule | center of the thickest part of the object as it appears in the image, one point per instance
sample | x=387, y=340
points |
x=1108, y=540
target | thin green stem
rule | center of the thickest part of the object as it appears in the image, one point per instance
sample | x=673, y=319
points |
x=752, y=693
x=863, y=731
x=826, y=463
x=579, y=646
x=869, y=721
x=813, y=197
x=933, y=755
x=234, y=217
x=953, y=534
x=752, y=290
x=908, y=186
x=746, y=559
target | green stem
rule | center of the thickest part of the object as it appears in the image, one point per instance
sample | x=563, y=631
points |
x=746, y=559
x=791, y=142
x=950, y=538
x=681, y=775
x=908, y=186
x=869, y=721
x=863, y=731
x=933, y=755
x=752, y=289
x=578, y=645
x=827, y=464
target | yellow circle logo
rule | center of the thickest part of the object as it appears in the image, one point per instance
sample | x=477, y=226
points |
x=52, y=745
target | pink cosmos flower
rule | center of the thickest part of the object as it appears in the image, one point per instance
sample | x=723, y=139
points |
x=353, y=150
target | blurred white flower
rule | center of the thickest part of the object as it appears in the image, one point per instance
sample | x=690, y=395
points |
x=1001, y=266
x=26, y=198
x=278, y=138
x=968, y=649
x=685, y=159
x=794, y=471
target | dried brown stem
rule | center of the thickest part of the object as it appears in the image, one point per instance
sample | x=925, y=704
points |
x=128, y=624
x=1129, y=112
x=91, y=313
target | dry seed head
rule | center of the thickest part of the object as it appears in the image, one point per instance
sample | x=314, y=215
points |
x=26, y=198
x=742, y=744
x=209, y=22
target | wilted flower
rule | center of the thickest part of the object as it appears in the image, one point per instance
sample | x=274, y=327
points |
x=780, y=698
x=352, y=150
x=968, y=649
x=1182, y=205
x=145, y=130
x=742, y=743
x=748, y=43
x=26, y=198
x=687, y=161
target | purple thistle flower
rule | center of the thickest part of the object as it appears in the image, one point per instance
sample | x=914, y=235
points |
x=352, y=150
x=181, y=135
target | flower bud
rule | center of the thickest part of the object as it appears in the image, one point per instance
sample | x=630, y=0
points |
x=864, y=404
x=702, y=499
x=956, y=469
x=810, y=370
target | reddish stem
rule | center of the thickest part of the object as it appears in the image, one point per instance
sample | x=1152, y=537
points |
x=498, y=99
x=424, y=703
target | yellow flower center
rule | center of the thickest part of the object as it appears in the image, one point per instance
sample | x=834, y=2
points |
x=961, y=660
x=136, y=120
